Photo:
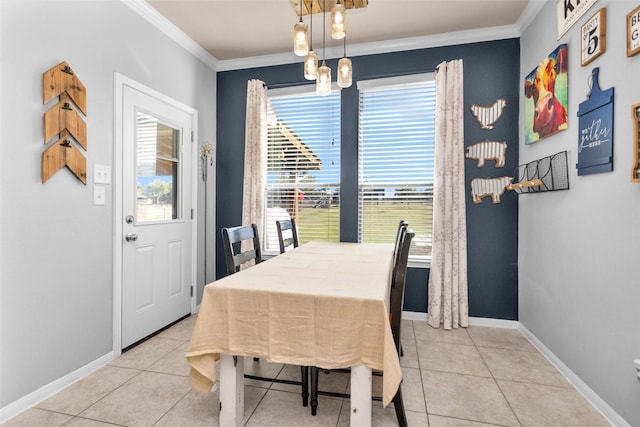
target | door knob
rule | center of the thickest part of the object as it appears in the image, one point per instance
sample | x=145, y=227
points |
x=131, y=237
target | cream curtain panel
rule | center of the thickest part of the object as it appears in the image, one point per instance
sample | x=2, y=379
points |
x=448, y=300
x=255, y=156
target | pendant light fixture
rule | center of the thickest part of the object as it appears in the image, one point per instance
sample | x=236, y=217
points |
x=311, y=60
x=323, y=81
x=345, y=69
x=338, y=21
x=300, y=36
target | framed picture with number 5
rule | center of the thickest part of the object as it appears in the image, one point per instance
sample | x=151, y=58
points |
x=593, y=40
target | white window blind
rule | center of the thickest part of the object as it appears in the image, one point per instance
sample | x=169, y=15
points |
x=303, y=164
x=396, y=160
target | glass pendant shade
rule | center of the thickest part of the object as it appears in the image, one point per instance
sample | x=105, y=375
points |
x=345, y=72
x=338, y=21
x=323, y=81
x=311, y=65
x=300, y=38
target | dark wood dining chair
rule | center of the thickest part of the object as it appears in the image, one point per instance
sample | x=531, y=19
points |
x=286, y=242
x=402, y=227
x=232, y=238
x=395, y=315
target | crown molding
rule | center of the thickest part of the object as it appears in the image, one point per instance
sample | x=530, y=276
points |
x=143, y=9
x=528, y=14
x=387, y=46
x=438, y=40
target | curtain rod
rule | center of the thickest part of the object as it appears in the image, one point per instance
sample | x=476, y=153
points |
x=368, y=77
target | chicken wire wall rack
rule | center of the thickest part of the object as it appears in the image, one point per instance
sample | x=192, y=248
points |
x=549, y=173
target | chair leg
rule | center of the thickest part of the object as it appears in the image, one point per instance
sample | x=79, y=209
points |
x=314, y=390
x=398, y=404
x=304, y=370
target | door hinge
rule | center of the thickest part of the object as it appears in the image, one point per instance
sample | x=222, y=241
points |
x=191, y=291
x=191, y=213
x=192, y=136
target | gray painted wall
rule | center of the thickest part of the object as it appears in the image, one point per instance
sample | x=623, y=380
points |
x=56, y=250
x=578, y=249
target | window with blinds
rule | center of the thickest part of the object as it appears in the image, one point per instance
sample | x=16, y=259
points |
x=303, y=164
x=396, y=159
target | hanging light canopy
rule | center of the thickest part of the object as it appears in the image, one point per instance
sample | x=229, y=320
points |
x=338, y=21
x=300, y=37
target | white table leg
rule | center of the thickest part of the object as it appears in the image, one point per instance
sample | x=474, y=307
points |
x=231, y=391
x=360, y=396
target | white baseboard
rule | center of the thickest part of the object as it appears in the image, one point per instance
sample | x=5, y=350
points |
x=414, y=315
x=600, y=405
x=43, y=393
x=494, y=323
x=474, y=321
x=46, y=391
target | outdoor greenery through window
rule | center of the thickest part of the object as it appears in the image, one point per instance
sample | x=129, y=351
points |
x=157, y=169
x=396, y=159
x=303, y=164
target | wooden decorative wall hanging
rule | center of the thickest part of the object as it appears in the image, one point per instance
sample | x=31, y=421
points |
x=64, y=121
x=593, y=37
x=488, y=150
x=494, y=187
x=595, y=130
x=488, y=115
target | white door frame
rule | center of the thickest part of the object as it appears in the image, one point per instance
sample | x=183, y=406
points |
x=120, y=82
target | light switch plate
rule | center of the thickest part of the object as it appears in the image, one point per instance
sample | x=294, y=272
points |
x=99, y=195
x=101, y=174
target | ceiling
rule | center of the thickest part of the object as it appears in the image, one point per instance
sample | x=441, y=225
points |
x=235, y=29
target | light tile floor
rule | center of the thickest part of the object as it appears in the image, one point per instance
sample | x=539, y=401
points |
x=467, y=377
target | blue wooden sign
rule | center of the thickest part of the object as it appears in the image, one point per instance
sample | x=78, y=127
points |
x=595, y=130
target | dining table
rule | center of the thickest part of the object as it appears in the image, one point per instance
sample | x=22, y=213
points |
x=323, y=304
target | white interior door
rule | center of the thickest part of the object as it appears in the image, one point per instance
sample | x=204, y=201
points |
x=156, y=214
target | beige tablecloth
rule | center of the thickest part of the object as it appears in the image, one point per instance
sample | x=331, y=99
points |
x=322, y=304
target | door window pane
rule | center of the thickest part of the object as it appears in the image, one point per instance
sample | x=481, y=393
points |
x=157, y=169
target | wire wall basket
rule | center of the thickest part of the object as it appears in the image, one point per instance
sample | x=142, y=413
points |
x=549, y=173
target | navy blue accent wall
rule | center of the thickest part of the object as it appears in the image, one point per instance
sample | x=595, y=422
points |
x=491, y=71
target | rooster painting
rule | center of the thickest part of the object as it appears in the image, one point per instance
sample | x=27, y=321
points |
x=488, y=115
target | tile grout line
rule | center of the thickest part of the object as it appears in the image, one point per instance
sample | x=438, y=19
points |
x=496, y=381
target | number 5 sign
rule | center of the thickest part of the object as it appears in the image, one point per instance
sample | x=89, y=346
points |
x=593, y=41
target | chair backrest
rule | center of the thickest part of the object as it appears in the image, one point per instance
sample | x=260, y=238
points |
x=285, y=242
x=397, y=285
x=232, y=238
x=402, y=226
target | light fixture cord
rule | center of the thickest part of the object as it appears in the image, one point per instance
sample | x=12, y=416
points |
x=311, y=27
x=344, y=45
x=324, y=12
